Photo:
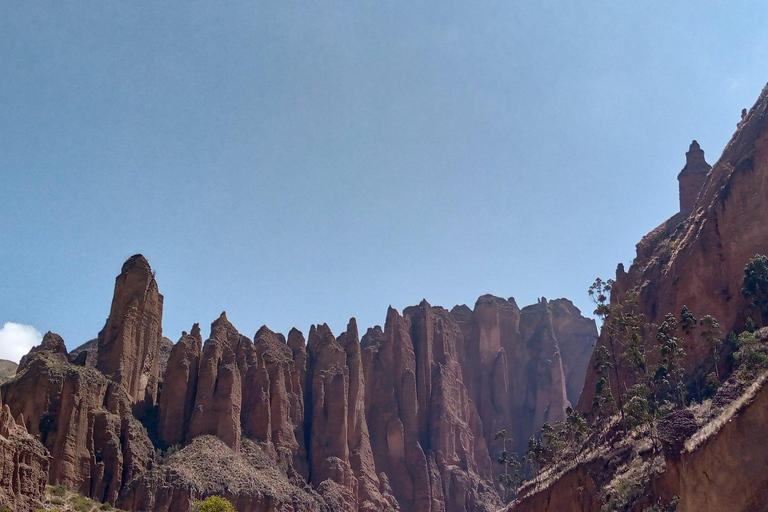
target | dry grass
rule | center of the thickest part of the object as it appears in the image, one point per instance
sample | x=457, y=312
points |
x=59, y=498
x=715, y=425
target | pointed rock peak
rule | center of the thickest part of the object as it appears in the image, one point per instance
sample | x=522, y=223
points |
x=195, y=330
x=296, y=341
x=694, y=159
x=20, y=421
x=136, y=263
x=424, y=304
x=53, y=342
x=461, y=308
x=374, y=336
x=222, y=321
x=320, y=336
x=264, y=331
x=352, y=328
x=392, y=314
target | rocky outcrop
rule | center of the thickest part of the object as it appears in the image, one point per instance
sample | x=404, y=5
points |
x=179, y=387
x=23, y=465
x=698, y=259
x=218, y=401
x=691, y=179
x=129, y=343
x=340, y=449
x=82, y=418
x=389, y=423
x=7, y=370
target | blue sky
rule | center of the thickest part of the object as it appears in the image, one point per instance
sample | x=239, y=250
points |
x=295, y=163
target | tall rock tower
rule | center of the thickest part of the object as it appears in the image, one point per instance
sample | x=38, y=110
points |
x=692, y=177
x=129, y=344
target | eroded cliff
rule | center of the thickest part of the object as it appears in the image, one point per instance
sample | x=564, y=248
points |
x=401, y=420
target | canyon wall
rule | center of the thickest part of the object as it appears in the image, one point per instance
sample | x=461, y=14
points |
x=697, y=258
x=403, y=419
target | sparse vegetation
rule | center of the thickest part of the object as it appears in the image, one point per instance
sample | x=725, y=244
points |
x=649, y=381
x=756, y=283
x=514, y=468
x=60, y=499
x=669, y=507
x=214, y=504
x=57, y=490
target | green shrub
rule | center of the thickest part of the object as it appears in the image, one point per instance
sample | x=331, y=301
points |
x=105, y=506
x=82, y=504
x=214, y=504
x=57, y=501
x=58, y=490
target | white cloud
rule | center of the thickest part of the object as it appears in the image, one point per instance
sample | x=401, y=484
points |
x=17, y=339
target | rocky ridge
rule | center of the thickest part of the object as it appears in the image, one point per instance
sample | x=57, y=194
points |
x=697, y=258
x=400, y=420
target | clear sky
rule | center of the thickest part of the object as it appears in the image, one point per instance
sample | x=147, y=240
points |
x=304, y=162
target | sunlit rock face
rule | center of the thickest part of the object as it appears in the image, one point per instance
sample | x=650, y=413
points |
x=403, y=419
x=129, y=344
x=697, y=258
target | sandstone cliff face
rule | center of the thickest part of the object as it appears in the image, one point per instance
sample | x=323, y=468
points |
x=179, y=388
x=23, y=465
x=82, y=418
x=389, y=423
x=129, y=343
x=698, y=259
x=392, y=423
x=524, y=367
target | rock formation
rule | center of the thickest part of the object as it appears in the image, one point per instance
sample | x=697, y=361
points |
x=82, y=418
x=524, y=367
x=402, y=421
x=129, y=343
x=691, y=179
x=179, y=388
x=698, y=259
x=23, y=465
x=7, y=370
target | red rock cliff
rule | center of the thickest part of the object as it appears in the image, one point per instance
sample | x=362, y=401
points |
x=699, y=260
x=129, y=343
x=402, y=421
